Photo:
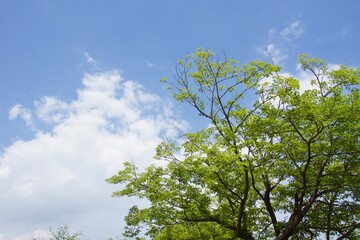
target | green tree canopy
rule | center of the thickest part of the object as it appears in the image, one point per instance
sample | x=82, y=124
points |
x=275, y=163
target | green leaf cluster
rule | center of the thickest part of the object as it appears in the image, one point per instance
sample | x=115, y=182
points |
x=276, y=162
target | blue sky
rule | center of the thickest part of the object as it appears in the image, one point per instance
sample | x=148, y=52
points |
x=80, y=91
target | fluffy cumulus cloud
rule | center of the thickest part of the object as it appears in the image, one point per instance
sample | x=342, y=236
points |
x=58, y=177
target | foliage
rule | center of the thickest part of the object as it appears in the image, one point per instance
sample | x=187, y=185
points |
x=63, y=233
x=276, y=163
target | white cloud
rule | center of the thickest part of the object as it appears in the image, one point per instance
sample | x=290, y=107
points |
x=51, y=109
x=89, y=58
x=58, y=177
x=304, y=77
x=22, y=112
x=274, y=53
x=293, y=31
x=37, y=234
x=280, y=42
x=149, y=64
x=92, y=62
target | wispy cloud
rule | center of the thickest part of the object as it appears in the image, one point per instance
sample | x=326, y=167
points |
x=275, y=53
x=343, y=32
x=272, y=33
x=58, y=177
x=89, y=62
x=89, y=59
x=292, y=31
x=150, y=65
x=23, y=113
x=280, y=41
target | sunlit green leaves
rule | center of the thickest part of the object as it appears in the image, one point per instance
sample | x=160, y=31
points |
x=270, y=150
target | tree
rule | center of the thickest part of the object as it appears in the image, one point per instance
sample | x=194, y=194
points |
x=276, y=162
x=63, y=233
